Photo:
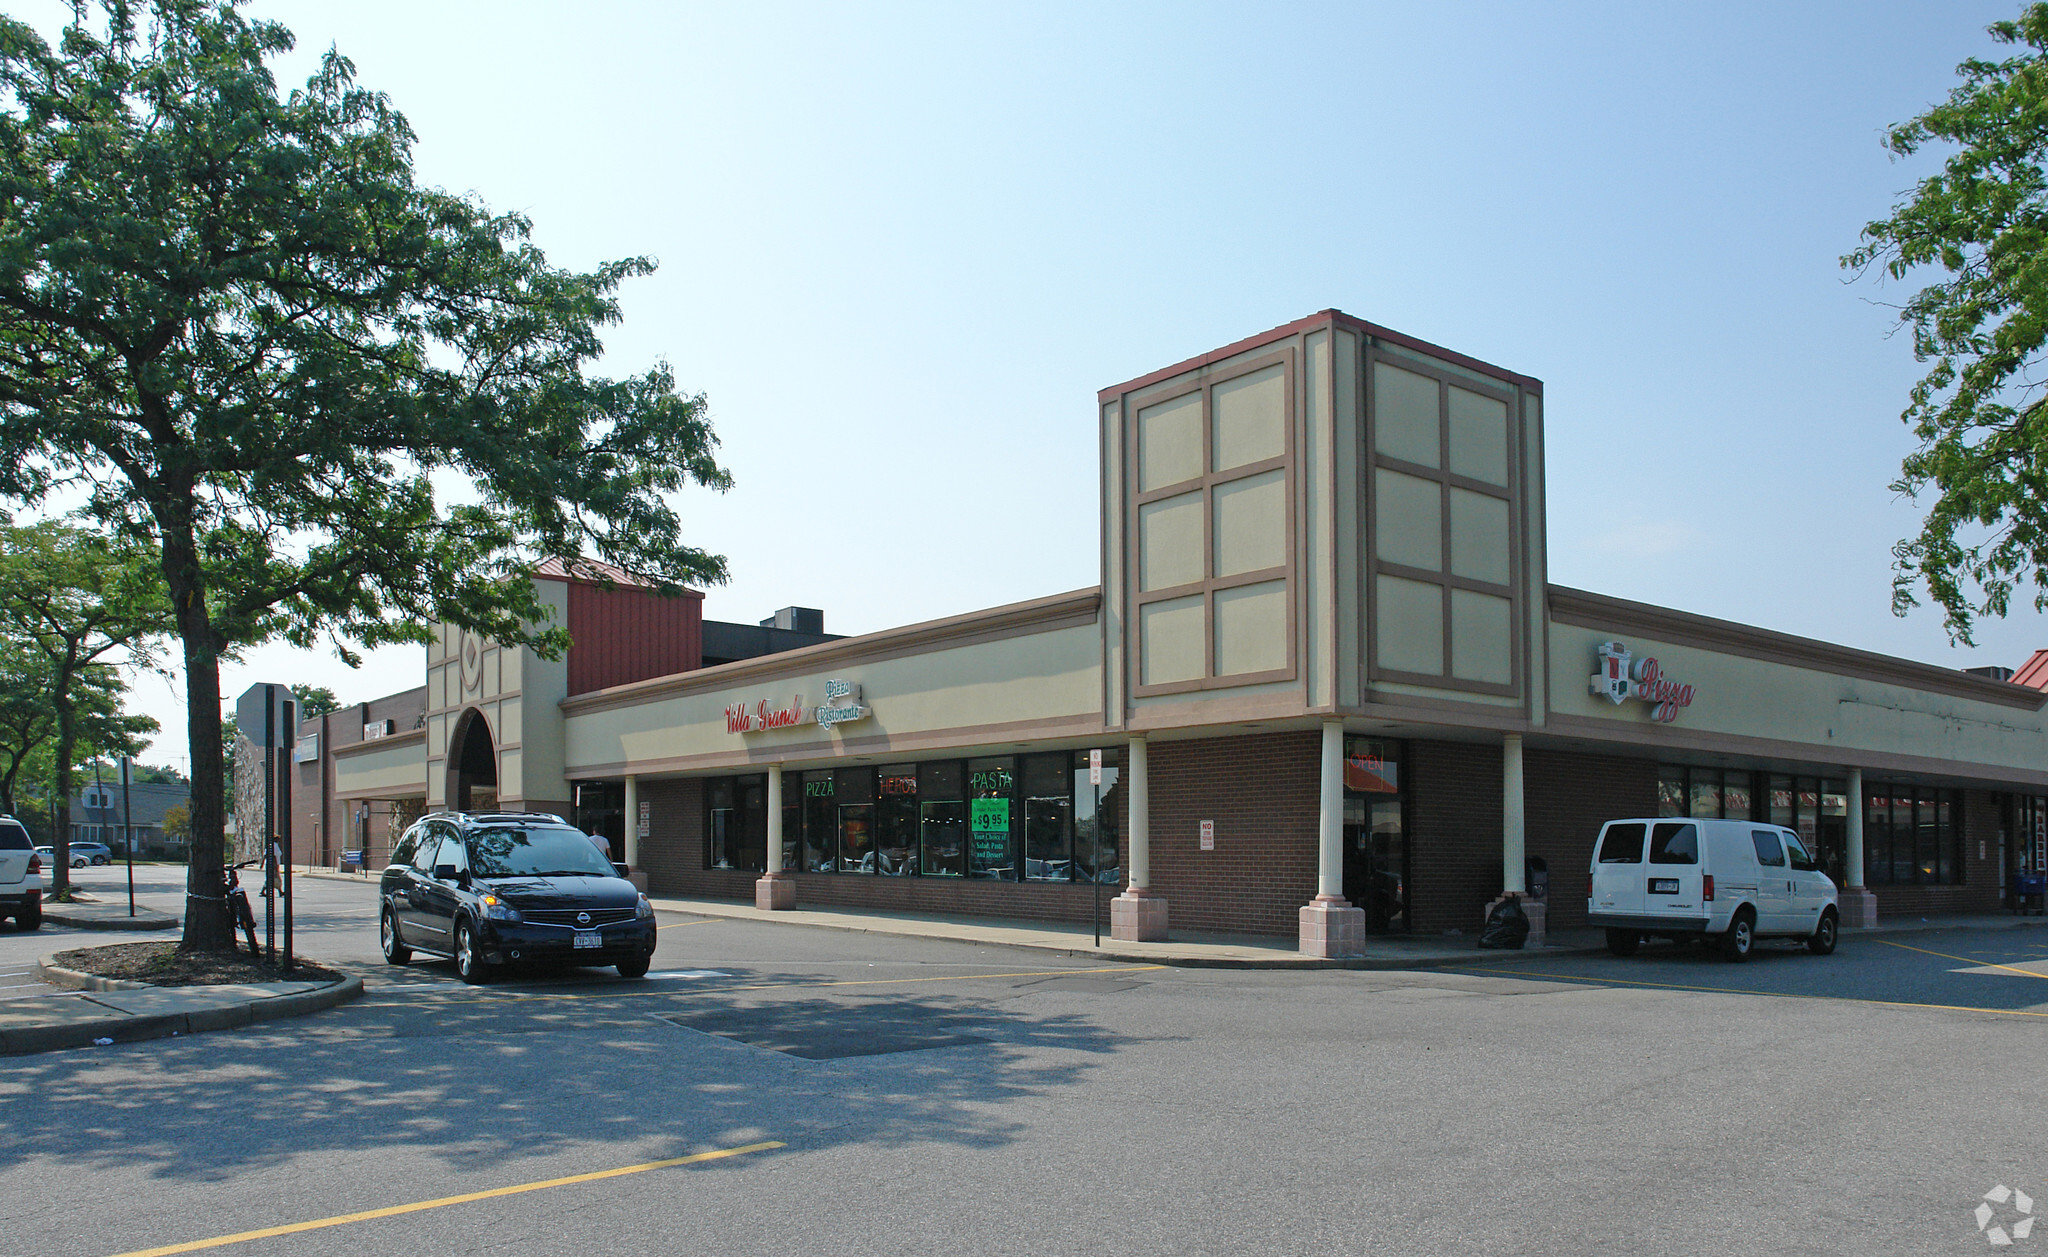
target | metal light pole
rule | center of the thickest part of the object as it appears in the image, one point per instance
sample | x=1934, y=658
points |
x=128, y=826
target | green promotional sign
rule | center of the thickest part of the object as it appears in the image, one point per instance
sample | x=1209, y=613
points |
x=989, y=820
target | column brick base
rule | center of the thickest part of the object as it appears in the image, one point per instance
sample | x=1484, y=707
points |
x=1137, y=916
x=1858, y=908
x=1331, y=927
x=775, y=892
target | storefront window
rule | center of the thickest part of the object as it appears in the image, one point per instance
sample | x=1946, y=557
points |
x=601, y=809
x=821, y=824
x=1706, y=794
x=854, y=791
x=1095, y=829
x=942, y=819
x=1671, y=799
x=792, y=821
x=1735, y=796
x=1780, y=801
x=896, y=820
x=992, y=789
x=1048, y=819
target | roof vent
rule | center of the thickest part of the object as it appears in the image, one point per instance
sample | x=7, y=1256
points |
x=797, y=619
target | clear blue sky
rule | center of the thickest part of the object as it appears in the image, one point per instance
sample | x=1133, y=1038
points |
x=902, y=246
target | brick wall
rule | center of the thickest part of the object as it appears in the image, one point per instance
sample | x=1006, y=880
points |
x=1454, y=834
x=1262, y=791
x=673, y=856
x=1979, y=889
x=1566, y=796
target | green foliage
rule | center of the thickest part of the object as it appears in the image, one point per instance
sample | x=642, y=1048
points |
x=232, y=318
x=178, y=821
x=315, y=700
x=81, y=602
x=1978, y=412
x=150, y=774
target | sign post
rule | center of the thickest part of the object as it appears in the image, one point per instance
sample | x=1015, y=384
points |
x=1095, y=837
x=268, y=715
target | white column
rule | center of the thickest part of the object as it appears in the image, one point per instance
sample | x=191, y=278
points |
x=1855, y=869
x=1141, y=816
x=774, y=819
x=1512, y=829
x=631, y=855
x=1330, y=847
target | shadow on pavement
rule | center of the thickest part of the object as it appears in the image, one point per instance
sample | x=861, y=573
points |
x=484, y=1077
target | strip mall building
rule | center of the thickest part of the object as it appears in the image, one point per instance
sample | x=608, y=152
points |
x=1331, y=690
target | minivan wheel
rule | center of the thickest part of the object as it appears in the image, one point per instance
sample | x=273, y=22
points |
x=1741, y=936
x=395, y=950
x=1623, y=942
x=1822, y=943
x=468, y=965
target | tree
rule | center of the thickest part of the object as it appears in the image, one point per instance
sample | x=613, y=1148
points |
x=178, y=821
x=314, y=700
x=1978, y=413
x=234, y=318
x=150, y=774
x=81, y=602
x=27, y=722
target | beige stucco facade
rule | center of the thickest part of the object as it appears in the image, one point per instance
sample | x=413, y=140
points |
x=1327, y=527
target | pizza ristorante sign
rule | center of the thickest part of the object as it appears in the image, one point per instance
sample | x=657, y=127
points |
x=1620, y=677
x=842, y=705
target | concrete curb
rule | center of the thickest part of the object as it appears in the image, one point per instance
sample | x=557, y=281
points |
x=50, y=1038
x=60, y=914
x=73, y=980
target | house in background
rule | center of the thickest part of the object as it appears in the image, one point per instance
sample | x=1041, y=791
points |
x=97, y=816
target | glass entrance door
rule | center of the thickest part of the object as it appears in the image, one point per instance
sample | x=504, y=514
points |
x=1375, y=835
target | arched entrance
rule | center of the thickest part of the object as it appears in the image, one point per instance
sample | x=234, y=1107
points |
x=472, y=765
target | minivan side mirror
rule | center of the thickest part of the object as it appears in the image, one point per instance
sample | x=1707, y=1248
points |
x=444, y=873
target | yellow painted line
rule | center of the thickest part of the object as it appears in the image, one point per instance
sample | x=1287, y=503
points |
x=677, y=924
x=1580, y=979
x=614, y=993
x=1980, y=964
x=242, y=1237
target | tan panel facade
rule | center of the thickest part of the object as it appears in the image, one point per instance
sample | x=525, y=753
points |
x=1014, y=687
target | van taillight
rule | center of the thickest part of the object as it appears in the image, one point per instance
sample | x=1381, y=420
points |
x=1707, y=888
x=1589, y=885
x=35, y=865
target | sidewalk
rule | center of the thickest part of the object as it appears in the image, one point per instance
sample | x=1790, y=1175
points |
x=1241, y=951
x=102, y=1012
x=1193, y=950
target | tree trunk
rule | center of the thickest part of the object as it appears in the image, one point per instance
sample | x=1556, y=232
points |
x=207, y=927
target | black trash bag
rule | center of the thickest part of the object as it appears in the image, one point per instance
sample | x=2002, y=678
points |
x=1507, y=927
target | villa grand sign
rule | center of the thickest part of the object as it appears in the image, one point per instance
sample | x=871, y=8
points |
x=1621, y=677
x=842, y=705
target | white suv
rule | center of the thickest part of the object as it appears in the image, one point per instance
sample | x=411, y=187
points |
x=21, y=876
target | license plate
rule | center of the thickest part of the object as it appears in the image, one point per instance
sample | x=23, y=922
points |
x=589, y=938
x=1663, y=885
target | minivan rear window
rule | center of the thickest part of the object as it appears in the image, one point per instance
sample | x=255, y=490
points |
x=1675, y=844
x=1622, y=844
x=14, y=838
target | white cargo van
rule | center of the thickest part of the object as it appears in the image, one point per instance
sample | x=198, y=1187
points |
x=1734, y=881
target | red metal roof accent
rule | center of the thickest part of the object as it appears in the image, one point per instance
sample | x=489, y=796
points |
x=2034, y=672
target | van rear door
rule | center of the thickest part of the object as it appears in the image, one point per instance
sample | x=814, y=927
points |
x=1618, y=869
x=1671, y=883
x=15, y=850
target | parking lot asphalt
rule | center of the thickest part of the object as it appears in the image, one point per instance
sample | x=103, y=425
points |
x=773, y=1087
x=1981, y=970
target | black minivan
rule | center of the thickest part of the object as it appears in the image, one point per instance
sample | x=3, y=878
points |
x=488, y=888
